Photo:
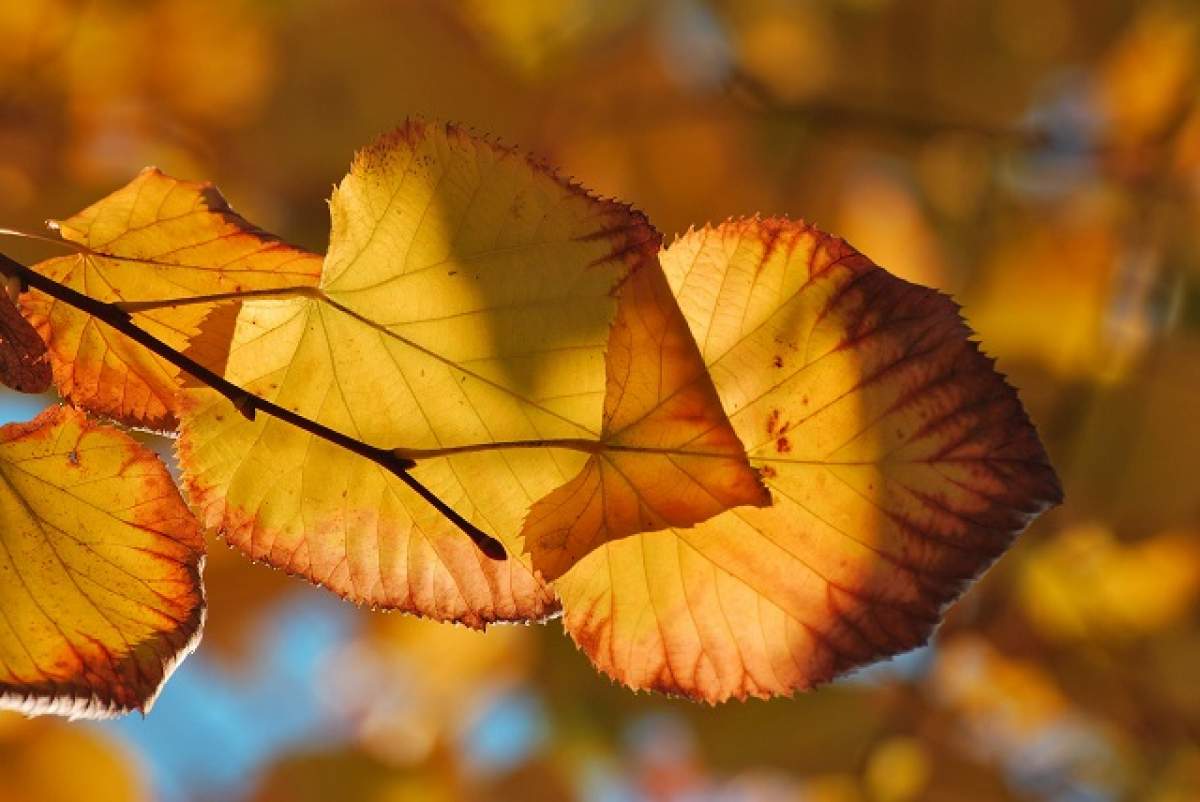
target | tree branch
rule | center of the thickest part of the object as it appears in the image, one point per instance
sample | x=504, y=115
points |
x=245, y=402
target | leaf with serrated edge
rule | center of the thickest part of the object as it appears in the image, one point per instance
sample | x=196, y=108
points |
x=900, y=462
x=155, y=239
x=100, y=563
x=24, y=363
x=669, y=458
x=467, y=300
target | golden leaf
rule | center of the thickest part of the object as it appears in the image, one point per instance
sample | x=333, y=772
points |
x=668, y=456
x=100, y=565
x=156, y=239
x=1085, y=584
x=462, y=319
x=900, y=462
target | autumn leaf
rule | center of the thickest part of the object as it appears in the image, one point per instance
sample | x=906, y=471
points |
x=24, y=365
x=900, y=462
x=667, y=456
x=1085, y=584
x=156, y=239
x=462, y=318
x=100, y=564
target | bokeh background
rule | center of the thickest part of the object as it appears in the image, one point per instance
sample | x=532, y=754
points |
x=1040, y=159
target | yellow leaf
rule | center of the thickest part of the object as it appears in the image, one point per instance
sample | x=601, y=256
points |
x=1150, y=72
x=1086, y=584
x=668, y=458
x=533, y=37
x=466, y=302
x=900, y=462
x=1084, y=321
x=898, y=769
x=157, y=239
x=100, y=565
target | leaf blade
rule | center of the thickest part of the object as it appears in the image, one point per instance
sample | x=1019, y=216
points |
x=834, y=373
x=667, y=455
x=465, y=286
x=157, y=238
x=102, y=560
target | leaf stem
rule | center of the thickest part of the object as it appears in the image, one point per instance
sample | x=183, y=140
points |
x=247, y=403
x=132, y=307
x=571, y=443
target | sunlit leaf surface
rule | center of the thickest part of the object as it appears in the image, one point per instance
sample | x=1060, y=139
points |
x=670, y=457
x=900, y=462
x=467, y=300
x=100, y=565
x=156, y=239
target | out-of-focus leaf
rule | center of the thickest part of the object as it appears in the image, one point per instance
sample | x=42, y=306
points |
x=880, y=213
x=1086, y=584
x=898, y=770
x=100, y=564
x=900, y=462
x=532, y=37
x=1150, y=71
x=1050, y=293
x=790, y=48
x=161, y=55
x=155, y=239
x=42, y=760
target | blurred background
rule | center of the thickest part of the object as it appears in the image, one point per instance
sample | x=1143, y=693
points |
x=1039, y=159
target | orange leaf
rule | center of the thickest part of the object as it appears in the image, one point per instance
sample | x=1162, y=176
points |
x=900, y=462
x=100, y=563
x=155, y=239
x=466, y=299
x=23, y=362
x=667, y=457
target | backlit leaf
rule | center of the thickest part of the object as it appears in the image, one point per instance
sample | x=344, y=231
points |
x=100, y=565
x=24, y=365
x=156, y=239
x=670, y=458
x=900, y=462
x=467, y=300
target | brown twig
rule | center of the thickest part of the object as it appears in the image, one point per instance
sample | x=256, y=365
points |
x=247, y=403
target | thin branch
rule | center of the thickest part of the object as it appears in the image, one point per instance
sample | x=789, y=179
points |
x=245, y=402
